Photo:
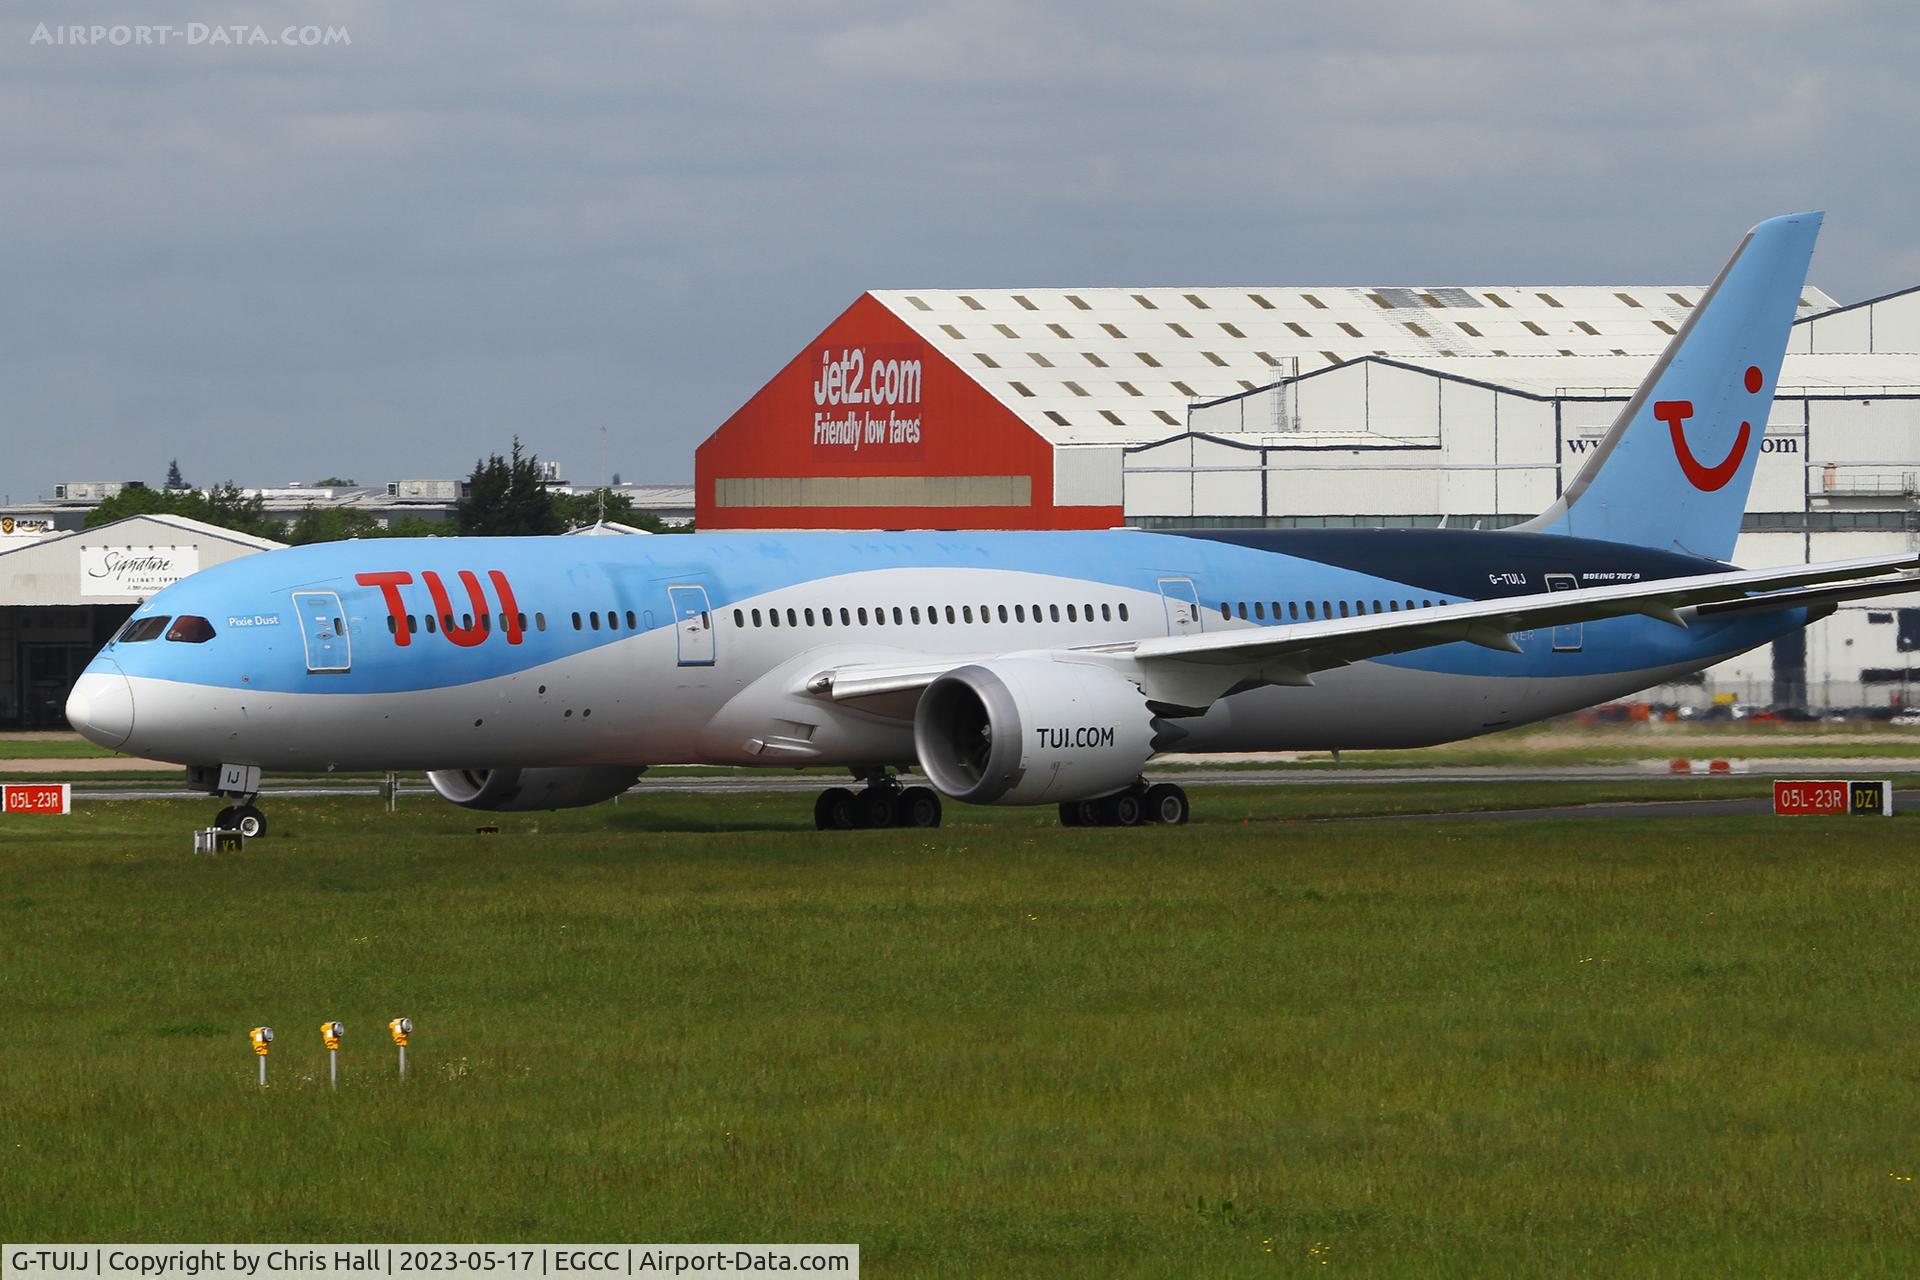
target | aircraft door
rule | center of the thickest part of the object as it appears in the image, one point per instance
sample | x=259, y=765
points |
x=1567, y=639
x=323, y=628
x=692, y=625
x=1183, y=606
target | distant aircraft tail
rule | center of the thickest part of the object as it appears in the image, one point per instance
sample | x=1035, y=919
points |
x=1674, y=469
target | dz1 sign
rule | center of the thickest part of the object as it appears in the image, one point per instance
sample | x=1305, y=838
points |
x=1832, y=796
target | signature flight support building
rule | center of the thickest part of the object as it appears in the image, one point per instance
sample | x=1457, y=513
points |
x=1315, y=407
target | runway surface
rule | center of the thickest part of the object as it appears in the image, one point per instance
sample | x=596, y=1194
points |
x=749, y=783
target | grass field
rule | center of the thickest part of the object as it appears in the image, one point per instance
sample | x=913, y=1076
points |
x=1251, y=1046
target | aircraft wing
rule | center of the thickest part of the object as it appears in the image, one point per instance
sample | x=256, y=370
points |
x=1194, y=670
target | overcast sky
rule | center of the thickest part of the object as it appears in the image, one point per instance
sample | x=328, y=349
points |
x=383, y=258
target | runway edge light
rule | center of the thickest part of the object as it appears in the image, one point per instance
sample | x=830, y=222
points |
x=330, y=1033
x=262, y=1041
x=400, y=1029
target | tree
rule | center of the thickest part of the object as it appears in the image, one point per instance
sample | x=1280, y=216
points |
x=335, y=482
x=577, y=509
x=330, y=524
x=223, y=505
x=507, y=496
x=175, y=481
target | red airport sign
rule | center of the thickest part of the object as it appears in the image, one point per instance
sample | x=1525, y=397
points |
x=1832, y=796
x=36, y=797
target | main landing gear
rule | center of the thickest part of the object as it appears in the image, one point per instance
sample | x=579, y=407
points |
x=883, y=802
x=1136, y=806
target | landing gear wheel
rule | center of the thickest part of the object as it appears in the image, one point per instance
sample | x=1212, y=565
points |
x=251, y=822
x=226, y=819
x=1070, y=813
x=918, y=807
x=1167, y=803
x=1089, y=813
x=877, y=808
x=836, y=810
x=1128, y=809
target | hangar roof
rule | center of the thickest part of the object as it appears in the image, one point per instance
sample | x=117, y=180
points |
x=1115, y=366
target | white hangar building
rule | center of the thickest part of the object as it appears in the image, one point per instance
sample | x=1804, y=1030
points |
x=1344, y=406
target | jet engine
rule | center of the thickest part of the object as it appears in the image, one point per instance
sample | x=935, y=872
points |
x=1033, y=731
x=518, y=790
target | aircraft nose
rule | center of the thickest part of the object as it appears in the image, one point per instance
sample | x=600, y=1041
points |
x=101, y=704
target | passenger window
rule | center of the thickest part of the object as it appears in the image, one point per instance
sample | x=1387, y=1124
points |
x=826, y=617
x=1426, y=604
x=540, y=621
x=739, y=618
x=428, y=619
x=1376, y=606
x=863, y=617
x=1123, y=612
x=393, y=628
x=793, y=619
x=576, y=620
x=1259, y=611
x=773, y=617
x=1106, y=613
x=1326, y=608
x=594, y=619
x=486, y=623
x=1293, y=610
x=1072, y=615
x=808, y=615
x=1226, y=610
x=1343, y=608
x=846, y=618
x=1019, y=613
x=1003, y=613
x=188, y=629
x=1053, y=611
x=914, y=613
x=899, y=618
x=950, y=614
x=966, y=613
x=411, y=625
x=521, y=618
x=1310, y=614
x=1243, y=611
x=880, y=617
x=1393, y=606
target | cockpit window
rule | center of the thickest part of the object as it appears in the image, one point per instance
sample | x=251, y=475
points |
x=143, y=629
x=188, y=629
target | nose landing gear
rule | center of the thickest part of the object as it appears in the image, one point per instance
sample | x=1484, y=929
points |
x=883, y=802
x=244, y=818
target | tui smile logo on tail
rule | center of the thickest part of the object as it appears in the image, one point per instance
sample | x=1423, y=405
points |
x=1702, y=477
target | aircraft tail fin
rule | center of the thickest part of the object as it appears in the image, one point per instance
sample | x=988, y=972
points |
x=1674, y=470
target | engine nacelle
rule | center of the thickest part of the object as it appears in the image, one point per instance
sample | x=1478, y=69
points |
x=1032, y=731
x=518, y=790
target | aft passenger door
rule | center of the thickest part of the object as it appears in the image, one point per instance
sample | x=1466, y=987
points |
x=692, y=625
x=1183, y=606
x=323, y=628
x=1567, y=639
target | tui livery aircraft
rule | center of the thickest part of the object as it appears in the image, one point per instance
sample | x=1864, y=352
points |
x=1012, y=668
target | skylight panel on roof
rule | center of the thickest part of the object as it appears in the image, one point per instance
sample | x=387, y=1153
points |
x=1455, y=298
x=1467, y=329
x=1314, y=302
x=1680, y=298
x=986, y=359
x=1113, y=331
x=1112, y=417
x=1351, y=331
x=1144, y=301
x=1185, y=390
x=1397, y=298
x=1079, y=302
x=950, y=331
x=1040, y=360
x=1216, y=359
x=1499, y=301
x=1021, y=387
x=1130, y=389
x=1584, y=327
x=1379, y=300
x=1246, y=386
x=1060, y=330
x=1166, y=417
x=1663, y=326
x=973, y=303
x=921, y=303
x=1025, y=301
x=1076, y=388
x=1627, y=298
x=1534, y=328
x=1094, y=360
x=1329, y=357
x=1260, y=302
x=1196, y=300
x=1180, y=329
x=1059, y=419
x=1414, y=329
x=1146, y=358
x=1548, y=298
x=1230, y=330
x=1299, y=330
x=1427, y=298
x=1006, y=331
